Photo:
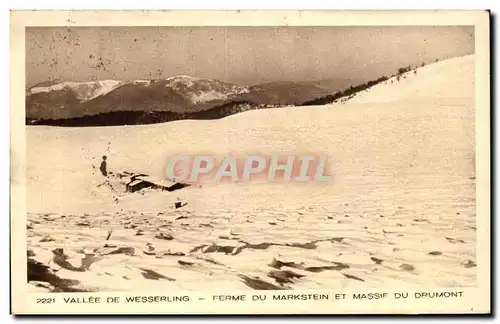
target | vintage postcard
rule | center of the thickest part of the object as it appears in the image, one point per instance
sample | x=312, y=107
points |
x=250, y=162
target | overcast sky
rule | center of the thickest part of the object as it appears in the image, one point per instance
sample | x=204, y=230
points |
x=243, y=55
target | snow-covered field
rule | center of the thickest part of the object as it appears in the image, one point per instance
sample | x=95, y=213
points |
x=401, y=210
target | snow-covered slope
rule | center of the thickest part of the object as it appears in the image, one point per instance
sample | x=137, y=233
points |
x=452, y=78
x=84, y=91
x=404, y=193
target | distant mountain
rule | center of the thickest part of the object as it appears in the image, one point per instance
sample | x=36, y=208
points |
x=173, y=98
x=284, y=93
x=334, y=85
x=84, y=91
x=179, y=94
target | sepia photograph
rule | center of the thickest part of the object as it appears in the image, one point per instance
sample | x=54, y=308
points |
x=304, y=160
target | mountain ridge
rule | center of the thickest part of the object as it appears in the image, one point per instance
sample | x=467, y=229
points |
x=178, y=94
